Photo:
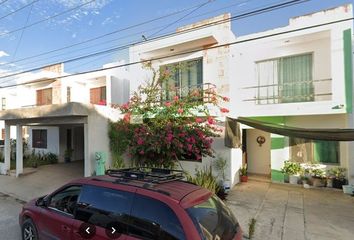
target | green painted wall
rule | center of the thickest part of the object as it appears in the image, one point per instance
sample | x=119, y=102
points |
x=277, y=176
x=348, y=70
x=277, y=143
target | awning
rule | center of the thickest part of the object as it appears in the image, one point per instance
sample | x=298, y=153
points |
x=327, y=134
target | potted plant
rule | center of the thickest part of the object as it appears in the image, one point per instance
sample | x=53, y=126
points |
x=292, y=169
x=318, y=177
x=329, y=179
x=338, y=174
x=220, y=165
x=68, y=154
x=243, y=173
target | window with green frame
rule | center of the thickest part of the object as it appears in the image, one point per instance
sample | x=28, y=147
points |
x=183, y=78
x=314, y=151
x=285, y=79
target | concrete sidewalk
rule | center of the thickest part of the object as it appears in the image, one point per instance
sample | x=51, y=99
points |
x=45, y=180
x=291, y=212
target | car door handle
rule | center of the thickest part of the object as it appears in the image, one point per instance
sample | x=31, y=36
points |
x=65, y=228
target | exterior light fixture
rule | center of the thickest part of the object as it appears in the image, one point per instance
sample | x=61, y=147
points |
x=261, y=140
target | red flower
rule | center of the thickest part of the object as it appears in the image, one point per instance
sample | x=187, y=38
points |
x=140, y=141
x=211, y=120
x=180, y=110
x=167, y=104
x=198, y=120
x=224, y=110
x=176, y=98
x=141, y=152
x=226, y=99
x=126, y=117
x=125, y=106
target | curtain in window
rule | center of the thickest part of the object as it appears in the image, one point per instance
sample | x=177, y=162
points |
x=267, y=74
x=295, y=75
x=326, y=152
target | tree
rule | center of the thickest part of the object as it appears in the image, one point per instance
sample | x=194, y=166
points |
x=156, y=131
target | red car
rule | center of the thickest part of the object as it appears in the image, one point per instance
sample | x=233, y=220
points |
x=131, y=203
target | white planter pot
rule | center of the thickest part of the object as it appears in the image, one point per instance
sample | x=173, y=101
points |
x=348, y=189
x=293, y=179
x=226, y=184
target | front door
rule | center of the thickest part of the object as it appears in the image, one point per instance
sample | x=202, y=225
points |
x=57, y=217
x=258, y=153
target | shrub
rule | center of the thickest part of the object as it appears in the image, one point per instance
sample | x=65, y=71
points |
x=291, y=168
x=205, y=178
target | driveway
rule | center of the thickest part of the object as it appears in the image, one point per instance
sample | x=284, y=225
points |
x=46, y=179
x=291, y=212
x=9, y=210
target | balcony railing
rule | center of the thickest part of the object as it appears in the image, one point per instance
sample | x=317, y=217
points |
x=301, y=91
x=200, y=92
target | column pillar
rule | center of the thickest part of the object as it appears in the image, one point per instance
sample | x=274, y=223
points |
x=87, y=160
x=7, y=148
x=19, y=150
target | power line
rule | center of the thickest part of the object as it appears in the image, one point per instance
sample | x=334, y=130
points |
x=22, y=32
x=1, y=3
x=19, y=9
x=101, y=36
x=46, y=19
x=188, y=52
x=252, y=13
x=184, y=16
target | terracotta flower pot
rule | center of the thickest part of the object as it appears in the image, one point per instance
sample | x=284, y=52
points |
x=244, y=178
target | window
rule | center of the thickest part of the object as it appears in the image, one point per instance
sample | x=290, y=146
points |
x=102, y=206
x=284, y=80
x=183, y=78
x=98, y=95
x=65, y=200
x=214, y=220
x=44, y=96
x=3, y=103
x=314, y=151
x=152, y=219
x=68, y=94
x=39, y=138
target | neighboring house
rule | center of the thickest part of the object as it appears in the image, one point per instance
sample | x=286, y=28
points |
x=199, y=68
x=60, y=112
x=300, y=79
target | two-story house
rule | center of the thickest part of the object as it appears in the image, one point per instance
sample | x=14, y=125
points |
x=298, y=76
x=299, y=79
x=59, y=112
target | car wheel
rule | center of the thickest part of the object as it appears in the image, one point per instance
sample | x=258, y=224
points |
x=29, y=231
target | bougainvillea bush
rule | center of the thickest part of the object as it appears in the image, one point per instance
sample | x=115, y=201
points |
x=157, y=132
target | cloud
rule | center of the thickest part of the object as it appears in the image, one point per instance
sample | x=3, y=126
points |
x=3, y=54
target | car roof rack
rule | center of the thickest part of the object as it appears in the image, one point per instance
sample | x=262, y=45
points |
x=146, y=174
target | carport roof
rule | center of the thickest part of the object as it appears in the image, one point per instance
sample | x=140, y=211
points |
x=327, y=134
x=47, y=111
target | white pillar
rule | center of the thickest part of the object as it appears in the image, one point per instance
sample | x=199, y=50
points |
x=7, y=150
x=19, y=150
x=87, y=160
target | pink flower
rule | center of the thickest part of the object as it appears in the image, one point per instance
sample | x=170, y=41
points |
x=176, y=98
x=125, y=106
x=180, y=110
x=226, y=99
x=140, y=141
x=167, y=104
x=198, y=120
x=126, y=117
x=224, y=110
x=211, y=120
x=169, y=137
x=141, y=152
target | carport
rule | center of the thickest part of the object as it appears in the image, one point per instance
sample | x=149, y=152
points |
x=93, y=119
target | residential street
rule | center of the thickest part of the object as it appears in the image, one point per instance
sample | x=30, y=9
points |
x=9, y=210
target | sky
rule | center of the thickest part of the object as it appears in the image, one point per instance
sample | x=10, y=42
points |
x=34, y=27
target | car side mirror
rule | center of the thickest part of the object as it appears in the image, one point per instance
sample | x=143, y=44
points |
x=42, y=202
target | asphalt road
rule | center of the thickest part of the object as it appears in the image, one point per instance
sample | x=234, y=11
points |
x=9, y=210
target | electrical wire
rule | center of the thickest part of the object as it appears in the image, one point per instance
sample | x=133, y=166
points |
x=161, y=37
x=19, y=9
x=188, y=52
x=46, y=19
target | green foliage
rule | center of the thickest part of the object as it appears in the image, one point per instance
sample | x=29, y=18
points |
x=68, y=153
x=243, y=170
x=157, y=132
x=251, y=228
x=291, y=168
x=318, y=173
x=220, y=165
x=337, y=172
x=205, y=178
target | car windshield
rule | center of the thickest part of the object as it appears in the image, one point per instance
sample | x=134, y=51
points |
x=214, y=220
